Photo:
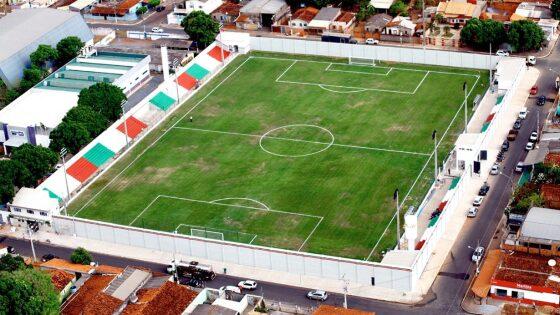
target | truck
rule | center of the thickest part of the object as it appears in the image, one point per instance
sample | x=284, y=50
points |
x=337, y=38
x=191, y=269
x=512, y=135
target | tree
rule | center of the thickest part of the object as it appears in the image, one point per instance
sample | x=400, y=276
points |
x=11, y=95
x=11, y=263
x=94, y=122
x=479, y=34
x=16, y=172
x=141, y=10
x=525, y=35
x=70, y=135
x=37, y=159
x=366, y=10
x=154, y=3
x=439, y=18
x=68, y=48
x=81, y=256
x=103, y=98
x=398, y=8
x=31, y=77
x=201, y=28
x=555, y=8
x=42, y=55
x=27, y=291
x=7, y=191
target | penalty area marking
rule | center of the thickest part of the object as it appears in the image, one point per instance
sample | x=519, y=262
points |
x=328, y=68
x=341, y=92
x=265, y=207
x=328, y=144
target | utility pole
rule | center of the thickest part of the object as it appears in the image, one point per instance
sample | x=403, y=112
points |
x=490, y=83
x=63, y=152
x=32, y=247
x=466, y=105
x=345, y=290
x=396, y=198
x=434, y=137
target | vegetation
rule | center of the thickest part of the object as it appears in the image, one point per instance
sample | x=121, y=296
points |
x=104, y=98
x=27, y=291
x=366, y=10
x=11, y=263
x=555, y=8
x=479, y=34
x=37, y=159
x=525, y=35
x=154, y=3
x=43, y=55
x=69, y=135
x=529, y=195
x=345, y=185
x=141, y=10
x=68, y=48
x=81, y=256
x=201, y=28
x=398, y=8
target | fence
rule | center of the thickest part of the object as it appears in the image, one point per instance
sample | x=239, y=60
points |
x=385, y=53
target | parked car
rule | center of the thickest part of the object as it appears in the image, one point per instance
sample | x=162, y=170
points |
x=48, y=257
x=529, y=146
x=499, y=159
x=502, y=53
x=472, y=212
x=371, y=41
x=517, y=124
x=534, y=90
x=230, y=288
x=11, y=250
x=495, y=170
x=484, y=189
x=534, y=136
x=318, y=295
x=531, y=60
x=478, y=201
x=157, y=30
x=160, y=8
x=541, y=100
x=522, y=113
x=512, y=135
x=192, y=282
x=247, y=285
x=519, y=167
x=505, y=145
x=477, y=254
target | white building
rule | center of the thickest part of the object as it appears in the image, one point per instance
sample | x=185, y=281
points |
x=207, y=6
x=33, y=205
x=401, y=26
x=31, y=117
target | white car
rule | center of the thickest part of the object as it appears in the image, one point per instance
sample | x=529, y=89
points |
x=472, y=212
x=318, y=295
x=371, y=41
x=502, y=53
x=530, y=146
x=531, y=60
x=157, y=30
x=230, y=288
x=522, y=113
x=519, y=167
x=478, y=201
x=247, y=285
x=534, y=136
x=478, y=254
x=495, y=170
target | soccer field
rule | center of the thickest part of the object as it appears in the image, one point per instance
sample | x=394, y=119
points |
x=293, y=152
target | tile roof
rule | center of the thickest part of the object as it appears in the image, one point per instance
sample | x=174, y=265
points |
x=65, y=265
x=552, y=158
x=229, y=8
x=334, y=310
x=105, y=269
x=87, y=293
x=305, y=14
x=456, y=8
x=121, y=8
x=550, y=192
x=60, y=278
x=102, y=304
x=169, y=299
x=345, y=17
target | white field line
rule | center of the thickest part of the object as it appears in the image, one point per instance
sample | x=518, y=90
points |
x=145, y=209
x=359, y=72
x=287, y=69
x=309, y=236
x=255, y=237
x=421, y=81
x=328, y=66
x=162, y=135
x=247, y=199
x=341, y=92
x=343, y=87
x=302, y=140
x=423, y=168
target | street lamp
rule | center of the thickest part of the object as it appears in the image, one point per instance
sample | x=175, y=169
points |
x=31, y=241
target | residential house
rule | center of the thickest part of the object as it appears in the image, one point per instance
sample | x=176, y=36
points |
x=532, y=11
x=124, y=10
x=382, y=4
x=227, y=12
x=261, y=13
x=33, y=205
x=300, y=20
x=457, y=12
x=179, y=13
x=323, y=20
x=343, y=22
x=62, y=282
x=549, y=26
x=376, y=23
x=551, y=195
x=400, y=26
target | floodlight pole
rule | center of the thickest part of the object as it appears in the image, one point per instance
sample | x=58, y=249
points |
x=63, y=152
x=398, y=220
x=125, y=124
x=175, y=67
x=434, y=136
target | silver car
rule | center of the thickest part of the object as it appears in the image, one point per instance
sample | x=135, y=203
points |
x=318, y=295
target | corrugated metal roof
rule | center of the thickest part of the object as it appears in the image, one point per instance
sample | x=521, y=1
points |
x=542, y=223
x=263, y=6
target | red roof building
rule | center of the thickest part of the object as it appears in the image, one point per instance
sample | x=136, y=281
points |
x=551, y=195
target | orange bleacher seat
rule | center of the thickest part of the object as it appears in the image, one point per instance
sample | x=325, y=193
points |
x=217, y=54
x=134, y=127
x=186, y=81
x=81, y=170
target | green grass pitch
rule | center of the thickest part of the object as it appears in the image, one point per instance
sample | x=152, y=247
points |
x=293, y=152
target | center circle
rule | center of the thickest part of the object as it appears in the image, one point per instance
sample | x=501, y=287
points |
x=276, y=134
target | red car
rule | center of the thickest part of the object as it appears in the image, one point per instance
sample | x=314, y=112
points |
x=534, y=90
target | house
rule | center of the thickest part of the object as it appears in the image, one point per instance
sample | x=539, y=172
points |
x=302, y=17
x=549, y=27
x=179, y=13
x=376, y=23
x=33, y=205
x=400, y=26
x=212, y=301
x=261, y=13
x=124, y=10
x=62, y=282
x=65, y=265
x=551, y=195
x=323, y=20
x=532, y=11
x=456, y=12
x=382, y=4
x=227, y=12
x=343, y=22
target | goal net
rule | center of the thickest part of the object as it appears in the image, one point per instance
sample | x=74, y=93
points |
x=207, y=234
x=361, y=61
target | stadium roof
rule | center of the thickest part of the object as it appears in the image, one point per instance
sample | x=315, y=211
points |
x=23, y=27
x=542, y=223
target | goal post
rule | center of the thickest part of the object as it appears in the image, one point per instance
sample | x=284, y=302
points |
x=207, y=234
x=361, y=61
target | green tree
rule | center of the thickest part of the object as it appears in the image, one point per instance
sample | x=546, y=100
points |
x=27, y=291
x=555, y=8
x=70, y=135
x=201, y=28
x=7, y=191
x=37, y=159
x=398, y=8
x=11, y=263
x=31, y=77
x=525, y=35
x=68, y=48
x=94, y=122
x=103, y=98
x=11, y=95
x=81, y=256
x=141, y=10
x=479, y=34
x=16, y=172
x=154, y=3
x=42, y=55
x=439, y=18
x=366, y=10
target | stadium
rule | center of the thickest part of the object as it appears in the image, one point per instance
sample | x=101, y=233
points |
x=293, y=152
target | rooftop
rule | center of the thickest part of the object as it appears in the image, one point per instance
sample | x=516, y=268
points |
x=379, y=20
x=541, y=223
x=263, y=6
x=528, y=269
x=76, y=304
x=30, y=198
x=552, y=158
x=60, y=279
x=550, y=193
x=168, y=299
x=65, y=265
x=120, y=8
x=456, y=8
x=533, y=10
x=381, y=4
x=327, y=14
x=229, y=8
x=305, y=14
x=335, y=310
x=345, y=17
x=23, y=27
